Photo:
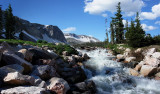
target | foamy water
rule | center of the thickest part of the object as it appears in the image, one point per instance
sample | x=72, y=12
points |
x=111, y=78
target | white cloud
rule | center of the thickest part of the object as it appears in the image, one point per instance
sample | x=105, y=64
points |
x=69, y=29
x=102, y=6
x=104, y=15
x=151, y=15
x=125, y=21
x=157, y=22
x=148, y=28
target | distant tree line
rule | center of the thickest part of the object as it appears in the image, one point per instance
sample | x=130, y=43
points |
x=132, y=34
x=7, y=23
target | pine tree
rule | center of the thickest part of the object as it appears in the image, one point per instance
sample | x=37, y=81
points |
x=9, y=23
x=119, y=25
x=1, y=19
x=112, y=31
x=107, y=39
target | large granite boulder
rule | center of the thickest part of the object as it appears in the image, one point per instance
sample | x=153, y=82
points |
x=16, y=78
x=147, y=70
x=152, y=61
x=25, y=90
x=58, y=85
x=27, y=54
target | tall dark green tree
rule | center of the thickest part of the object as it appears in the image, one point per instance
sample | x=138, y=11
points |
x=1, y=21
x=112, y=32
x=9, y=23
x=119, y=25
x=136, y=35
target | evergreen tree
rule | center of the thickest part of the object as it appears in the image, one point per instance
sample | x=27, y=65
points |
x=126, y=26
x=9, y=23
x=112, y=31
x=1, y=21
x=119, y=25
x=107, y=40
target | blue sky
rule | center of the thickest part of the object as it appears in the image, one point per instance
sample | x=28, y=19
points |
x=85, y=16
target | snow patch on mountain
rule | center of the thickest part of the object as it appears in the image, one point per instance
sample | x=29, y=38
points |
x=81, y=38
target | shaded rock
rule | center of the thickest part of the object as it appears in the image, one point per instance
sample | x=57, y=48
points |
x=86, y=86
x=40, y=83
x=16, y=67
x=58, y=85
x=147, y=70
x=45, y=72
x=25, y=90
x=134, y=72
x=152, y=61
x=27, y=54
x=16, y=78
x=85, y=56
x=5, y=46
x=10, y=58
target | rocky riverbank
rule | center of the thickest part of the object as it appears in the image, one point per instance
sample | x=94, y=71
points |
x=32, y=70
x=142, y=62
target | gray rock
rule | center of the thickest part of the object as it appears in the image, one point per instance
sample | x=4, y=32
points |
x=25, y=90
x=45, y=72
x=16, y=67
x=40, y=83
x=10, y=58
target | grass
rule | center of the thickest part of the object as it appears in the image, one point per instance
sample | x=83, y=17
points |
x=57, y=48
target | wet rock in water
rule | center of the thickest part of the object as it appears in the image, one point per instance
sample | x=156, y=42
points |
x=45, y=72
x=152, y=61
x=16, y=78
x=58, y=85
x=157, y=74
x=25, y=90
x=147, y=70
x=27, y=54
x=85, y=56
x=134, y=72
x=10, y=58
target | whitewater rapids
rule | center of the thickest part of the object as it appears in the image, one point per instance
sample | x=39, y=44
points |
x=111, y=77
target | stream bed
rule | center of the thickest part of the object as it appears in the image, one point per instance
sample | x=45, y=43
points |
x=111, y=77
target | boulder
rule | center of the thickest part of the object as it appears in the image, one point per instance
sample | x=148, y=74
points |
x=10, y=58
x=58, y=85
x=120, y=56
x=78, y=58
x=85, y=56
x=5, y=46
x=157, y=74
x=25, y=90
x=138, y=67
x=152, y=61
x=45, y=72
x=156, y=55
x=130, y=59
x=86, y=86
x=53, y=54
x=65, y=53
x=16, y=78
x=147, y=70
x=134, y=72
x=150, y=51
x=40, y=83
x=27, y=54
x=16, y=67
x=139, y=50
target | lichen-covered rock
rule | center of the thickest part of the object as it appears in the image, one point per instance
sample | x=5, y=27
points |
x=25, y=90
x=58, y=85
